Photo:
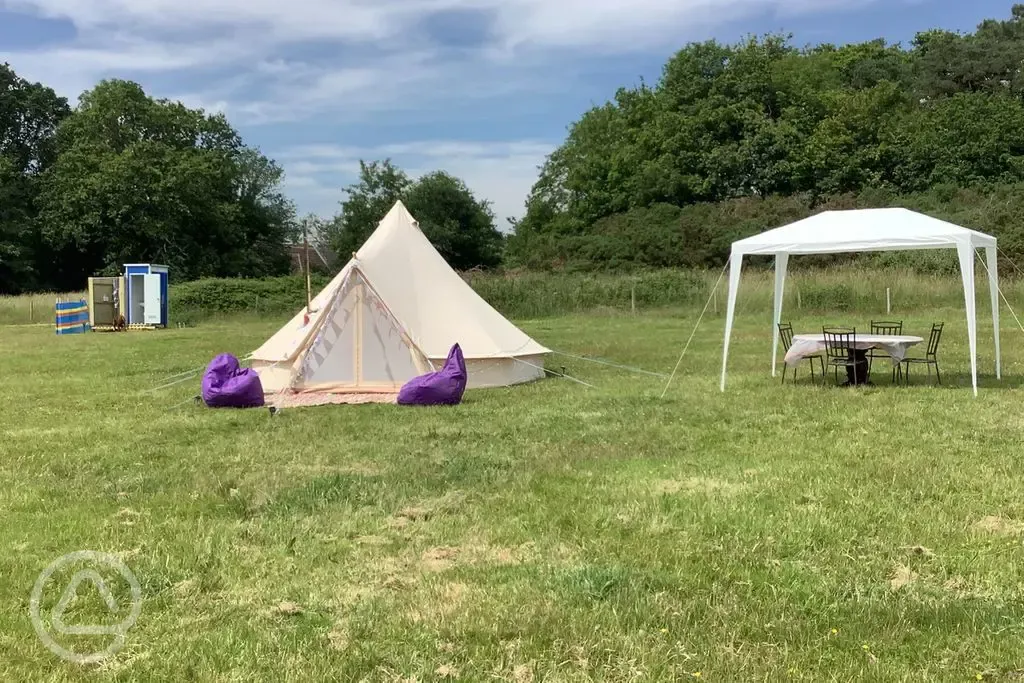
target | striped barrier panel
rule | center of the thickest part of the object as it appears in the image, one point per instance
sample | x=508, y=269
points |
x=72, y=317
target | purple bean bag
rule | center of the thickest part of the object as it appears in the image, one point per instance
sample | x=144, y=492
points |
x=227, y=385
x=442, y=388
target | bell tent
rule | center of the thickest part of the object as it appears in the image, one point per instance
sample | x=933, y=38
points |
x=391, y=314
x=893, y=229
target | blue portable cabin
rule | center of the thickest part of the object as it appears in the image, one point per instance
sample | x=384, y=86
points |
x=146, y=294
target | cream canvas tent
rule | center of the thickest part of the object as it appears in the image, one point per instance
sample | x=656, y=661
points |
x=867, y=230
x=392, y=313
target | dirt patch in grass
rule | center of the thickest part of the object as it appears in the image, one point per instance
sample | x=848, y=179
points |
x=701, y=485
x=406, y=516
x=484, y=553
x=371, y=540
x=439, y=559
x=522, y=673
x=338, y=638
x=287, y=609
x=127, y=516
x=425, y=510
x=366, y=469
x=440, y=603
x=446, y=671
x=902, y=576
x=502, y=556
x=186, y=588
x=994, y=524
x=956, y=584
x=473, y=554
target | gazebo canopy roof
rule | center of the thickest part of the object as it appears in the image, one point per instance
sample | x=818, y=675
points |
x=862, y=230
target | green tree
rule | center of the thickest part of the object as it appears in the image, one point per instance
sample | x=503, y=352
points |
x=266, y=219
x=966, y=140
x=16, y=266
x=138, y=179
x=989, y=60
x=29, y=115
x=380, y=185
x=762, y=119
x=459, y=226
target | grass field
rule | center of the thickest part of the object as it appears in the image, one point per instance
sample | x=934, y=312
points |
x=547, y=532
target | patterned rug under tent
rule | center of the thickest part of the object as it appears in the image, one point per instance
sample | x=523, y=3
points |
x=300, y=399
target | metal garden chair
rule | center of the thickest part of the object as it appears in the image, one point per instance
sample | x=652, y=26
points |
x=930, y=356
x=885, y=327
x=840, y=343
x=786, y=334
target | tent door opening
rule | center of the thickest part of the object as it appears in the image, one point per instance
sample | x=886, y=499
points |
x=360, y=345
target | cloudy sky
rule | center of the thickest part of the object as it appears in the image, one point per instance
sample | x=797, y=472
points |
x=481, y=88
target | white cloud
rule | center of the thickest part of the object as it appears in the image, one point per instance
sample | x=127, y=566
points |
x=72, y=69
x=299, y=91
x=542, y=22
x=386, y=59
x=500, y=172
x=334, y=62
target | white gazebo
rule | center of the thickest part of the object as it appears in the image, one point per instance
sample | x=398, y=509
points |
x=833, y=232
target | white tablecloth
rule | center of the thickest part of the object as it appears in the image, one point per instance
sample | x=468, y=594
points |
x=807, y=345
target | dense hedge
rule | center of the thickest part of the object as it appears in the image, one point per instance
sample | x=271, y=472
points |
x=514, y=294
x=264, y=296
x=529, y=295
x=700, y=235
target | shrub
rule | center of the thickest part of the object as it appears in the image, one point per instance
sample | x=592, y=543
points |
x=270, y=295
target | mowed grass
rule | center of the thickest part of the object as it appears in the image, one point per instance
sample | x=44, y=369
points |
x=547, y=532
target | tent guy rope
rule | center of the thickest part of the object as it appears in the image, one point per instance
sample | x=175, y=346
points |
x=610, y=364
x=1010, y=261
x=169, y=384
x=706, y=305
x=557, y=374
x=1000, y=290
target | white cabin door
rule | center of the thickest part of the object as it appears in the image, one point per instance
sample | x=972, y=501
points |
x=151, y=299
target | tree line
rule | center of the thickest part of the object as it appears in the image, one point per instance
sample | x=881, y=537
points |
x=123, y=177
x=730, y=141
x=733, y=139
